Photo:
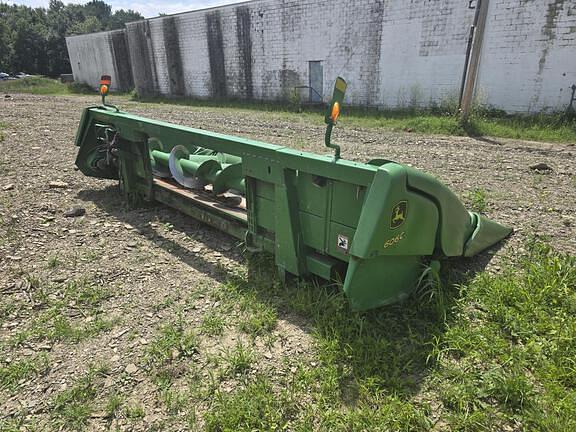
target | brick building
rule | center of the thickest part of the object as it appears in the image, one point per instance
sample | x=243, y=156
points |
x=393, y=53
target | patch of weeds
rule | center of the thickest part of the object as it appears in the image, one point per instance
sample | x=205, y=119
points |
x=256, y=407
x=212, y=324
x=166, y=303
x=172, y=342
x=53, y=325
x=73, y=407
x=259, y=319
x=239, y=359
x=175, y=401
x=85, y=293
x=508, y=354
x=134, y=411
x=478, y=200
x=34, y=85
x=9, y=307
x=511, y=388
x=113, y=405
x=54, y=261
x=12, y=373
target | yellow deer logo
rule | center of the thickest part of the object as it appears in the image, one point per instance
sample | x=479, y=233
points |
x=399, y=213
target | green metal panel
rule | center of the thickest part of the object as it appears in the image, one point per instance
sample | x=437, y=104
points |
x=347, y=203
x=312, y=193
x=313, y=227
x=265, y=213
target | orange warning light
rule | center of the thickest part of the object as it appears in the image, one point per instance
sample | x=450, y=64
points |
x=335, y=112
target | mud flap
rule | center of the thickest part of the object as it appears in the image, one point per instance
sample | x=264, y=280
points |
x=381, y=280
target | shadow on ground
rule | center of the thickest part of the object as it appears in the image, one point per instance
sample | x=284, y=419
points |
x=388, y=350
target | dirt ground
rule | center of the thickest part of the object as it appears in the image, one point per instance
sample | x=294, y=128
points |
x=153, y=259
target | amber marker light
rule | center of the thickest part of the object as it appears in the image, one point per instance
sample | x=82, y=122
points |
x=105, y=82
x=335, y=112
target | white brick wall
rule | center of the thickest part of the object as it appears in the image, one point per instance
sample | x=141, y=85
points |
x=393, y=53
x=91, y=57
x=529, y=58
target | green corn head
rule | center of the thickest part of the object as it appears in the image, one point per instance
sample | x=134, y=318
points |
x=374, y=224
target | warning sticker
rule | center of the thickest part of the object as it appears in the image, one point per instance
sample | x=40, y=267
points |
x=343, y=243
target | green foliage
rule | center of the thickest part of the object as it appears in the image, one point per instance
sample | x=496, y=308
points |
x=239, y=359
x=81, y=88
x=32, y=40
x=113, y=405
x=442, y=119
x=11, y=373
x=212, y=324
x=509, y=353
x=72, y=408
x=172, y=342
x=135, y=411
x=259, y=319
x=34, y=85
x=478, y=200
x=255, y=408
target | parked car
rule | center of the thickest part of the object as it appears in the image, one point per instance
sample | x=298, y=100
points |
x=21, y=75
x=4, y=75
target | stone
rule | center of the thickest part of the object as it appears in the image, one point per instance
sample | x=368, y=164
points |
x=541, y=167
x=131, y=369
x=57, y=184
x=75, y=211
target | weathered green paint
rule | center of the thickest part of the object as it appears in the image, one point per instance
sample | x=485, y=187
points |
x=319, y=215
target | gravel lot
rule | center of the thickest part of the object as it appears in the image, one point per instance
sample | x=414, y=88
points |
x=158, y=265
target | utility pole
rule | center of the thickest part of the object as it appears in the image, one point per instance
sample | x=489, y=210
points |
x=474, y=62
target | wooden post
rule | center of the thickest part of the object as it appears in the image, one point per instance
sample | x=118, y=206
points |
x=470, y=83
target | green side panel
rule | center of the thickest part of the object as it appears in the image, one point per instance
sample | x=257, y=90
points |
x=312, y=198
x=380, y=281
x=265, y=190
x=347, y=203
x=265, y=214
x=262, y=169
x=322, y=266
x=312, y=227
x=486, y=234
x=394, y=219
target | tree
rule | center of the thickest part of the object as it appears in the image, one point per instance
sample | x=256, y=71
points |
x=33, y=40
x=89, y=25
x=5, y=47
x=121, y=17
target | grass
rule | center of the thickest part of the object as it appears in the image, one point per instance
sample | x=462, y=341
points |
x=443, y=120
x=15, y=372
x=56, y=308
x=35, y=85
x=484, y=121
x=494, y=353
x=212, y=324
x=258, y=319
x=478, y=200
x=173, y=341
x=71, y=409
x=239, y=359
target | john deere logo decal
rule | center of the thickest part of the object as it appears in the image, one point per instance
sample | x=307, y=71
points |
x=399, y=213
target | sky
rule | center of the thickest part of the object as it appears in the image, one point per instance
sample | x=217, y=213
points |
x=147, y=8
